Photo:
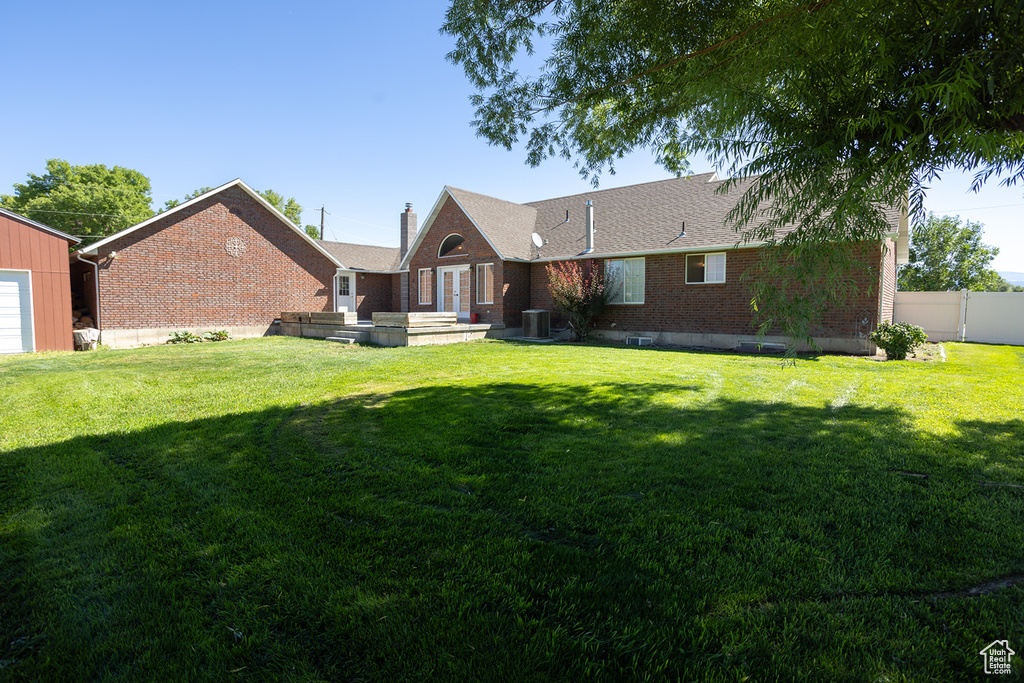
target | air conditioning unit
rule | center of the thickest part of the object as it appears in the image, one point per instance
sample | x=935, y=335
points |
x=537, y=324
x=639, y=341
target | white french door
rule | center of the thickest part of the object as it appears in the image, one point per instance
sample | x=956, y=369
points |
x=453, y=287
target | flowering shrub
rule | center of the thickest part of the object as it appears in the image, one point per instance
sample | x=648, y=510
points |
x=898, y=340
x=578, y=292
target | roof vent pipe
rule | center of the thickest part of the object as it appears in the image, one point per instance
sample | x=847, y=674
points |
x=590, y=227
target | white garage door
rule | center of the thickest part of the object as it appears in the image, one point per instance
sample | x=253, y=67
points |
x=15, y=312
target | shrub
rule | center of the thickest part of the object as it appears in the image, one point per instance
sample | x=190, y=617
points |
x=898, y=339
x=184, y=337
x=577, y=292
x=220, y=335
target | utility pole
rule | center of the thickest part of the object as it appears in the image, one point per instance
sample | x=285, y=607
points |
x=321, y=222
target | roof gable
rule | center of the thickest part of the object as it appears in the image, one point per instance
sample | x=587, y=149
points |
x=504, y=225
x=35, y=224
x=95, y=247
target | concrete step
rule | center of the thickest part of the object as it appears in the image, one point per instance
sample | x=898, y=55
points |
x=348, y=337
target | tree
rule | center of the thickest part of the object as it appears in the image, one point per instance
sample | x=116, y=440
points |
x=87, y=201
x=947, y=254
x=290, y=208
x=171, y=203
x=838, y=106
x=578, y=292
x=313, y=231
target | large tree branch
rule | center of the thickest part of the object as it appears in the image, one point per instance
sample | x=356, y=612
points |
x=813, y=7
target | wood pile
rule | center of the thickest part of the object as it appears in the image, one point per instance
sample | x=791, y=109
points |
x=81, y=316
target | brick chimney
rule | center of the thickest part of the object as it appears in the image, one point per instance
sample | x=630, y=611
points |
x=408, y=232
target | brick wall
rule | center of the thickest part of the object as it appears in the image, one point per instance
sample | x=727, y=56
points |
x=399, y=292
x=475, y=250
x=177, y=272
x=373, y=293
x=671, y=305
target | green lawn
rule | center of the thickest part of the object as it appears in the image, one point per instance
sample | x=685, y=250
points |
x=292, y=509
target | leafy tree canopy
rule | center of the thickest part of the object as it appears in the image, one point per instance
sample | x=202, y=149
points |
x=839, y=106
x=171, y=203
x=87, y=201
x=290, y=208
x=947, y=254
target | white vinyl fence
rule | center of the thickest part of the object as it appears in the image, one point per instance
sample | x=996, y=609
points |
x=989, y=317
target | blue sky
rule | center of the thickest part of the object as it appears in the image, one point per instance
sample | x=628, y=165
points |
x=350, y=106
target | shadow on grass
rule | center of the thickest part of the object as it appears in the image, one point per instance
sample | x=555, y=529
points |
x=505, y=530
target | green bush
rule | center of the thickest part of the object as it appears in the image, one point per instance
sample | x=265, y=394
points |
x=898, y=339
x=220, y=335
x=184, y=337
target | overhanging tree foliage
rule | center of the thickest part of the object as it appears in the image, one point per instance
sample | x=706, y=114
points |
x=87, y=201
x=841, y=107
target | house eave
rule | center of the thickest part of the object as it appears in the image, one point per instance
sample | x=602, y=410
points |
x=651, y=252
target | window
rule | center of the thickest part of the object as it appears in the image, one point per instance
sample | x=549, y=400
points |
x=624, y=279
x=343, y=285
x=485, y=283
x=705, y=268
x=452, y=245
x=426, y=292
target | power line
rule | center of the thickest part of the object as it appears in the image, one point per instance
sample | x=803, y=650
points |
x=79, y=213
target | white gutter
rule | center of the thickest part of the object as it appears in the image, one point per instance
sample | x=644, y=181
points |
x=96, y=282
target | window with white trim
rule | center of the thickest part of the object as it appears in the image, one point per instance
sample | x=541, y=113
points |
x=452, y=245
x=485, y=283
x=426, y=287
x=705, y=268
x=625, y=280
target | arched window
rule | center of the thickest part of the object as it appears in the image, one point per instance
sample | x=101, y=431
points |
x=452, y=245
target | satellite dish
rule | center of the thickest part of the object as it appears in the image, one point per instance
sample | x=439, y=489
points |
x=538, y=241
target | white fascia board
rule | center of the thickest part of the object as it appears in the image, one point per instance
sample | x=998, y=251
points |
x=422, y=232
x=94, y=249
x=427, y=224
x=655, y=252
x=478, y=228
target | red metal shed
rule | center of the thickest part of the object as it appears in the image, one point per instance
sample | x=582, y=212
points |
x=35, y=286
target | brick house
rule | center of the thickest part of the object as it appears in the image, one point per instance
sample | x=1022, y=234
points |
x=35, y=297
x=667, y=243
x=224, y=260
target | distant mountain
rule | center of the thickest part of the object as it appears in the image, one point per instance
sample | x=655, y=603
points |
x=1012, y=277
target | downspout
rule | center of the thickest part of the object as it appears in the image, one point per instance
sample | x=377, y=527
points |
x=96, y=282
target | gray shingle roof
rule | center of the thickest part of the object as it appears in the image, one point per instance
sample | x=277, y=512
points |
x=506, y=224
x=362, y=256
x=635, y=219
x=640, y=218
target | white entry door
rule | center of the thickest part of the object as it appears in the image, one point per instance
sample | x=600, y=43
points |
x=345, y=286
x=453, y=286
x=15, y=312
